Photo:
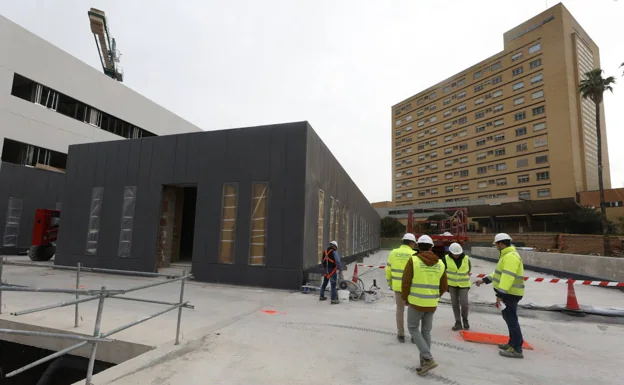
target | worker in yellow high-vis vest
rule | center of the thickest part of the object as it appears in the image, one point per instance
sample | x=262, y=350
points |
x=394, y=272
x=424, y=281
x=457, y=271
x=508, y=278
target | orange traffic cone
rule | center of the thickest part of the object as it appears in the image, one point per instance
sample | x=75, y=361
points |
x=572, y=305
x=355, y=274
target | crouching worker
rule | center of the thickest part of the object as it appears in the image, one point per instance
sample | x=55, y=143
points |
x=424, y=281
x=331, y=269
x=457, y=271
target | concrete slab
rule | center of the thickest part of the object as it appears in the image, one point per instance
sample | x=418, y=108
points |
x=229, y=340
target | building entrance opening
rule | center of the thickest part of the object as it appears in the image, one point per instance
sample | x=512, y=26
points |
x=176, y=225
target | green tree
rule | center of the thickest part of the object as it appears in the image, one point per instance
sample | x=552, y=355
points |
x=432, y=228
x=391, y=227
x=592, y=87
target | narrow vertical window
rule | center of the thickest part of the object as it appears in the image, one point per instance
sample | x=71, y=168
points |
x=347, y=239
x=11, y=227
x=259, y=202
x=228, y=222
x=331, y=219
x=321, y=217
x=344, y=229
x=337, y=232
x=127, y=221
x=93, y=232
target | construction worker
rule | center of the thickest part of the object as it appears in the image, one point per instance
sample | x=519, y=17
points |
x=424, y=281
x=331, y=269
x=394, y=272
x=457, y=270
x=508, y=281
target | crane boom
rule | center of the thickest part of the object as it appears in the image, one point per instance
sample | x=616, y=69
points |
x=109, y=56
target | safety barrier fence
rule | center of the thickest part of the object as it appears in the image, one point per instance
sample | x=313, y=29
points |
x=100, y=295
x=538, y=279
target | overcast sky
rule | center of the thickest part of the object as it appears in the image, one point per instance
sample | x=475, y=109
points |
x=339, y=64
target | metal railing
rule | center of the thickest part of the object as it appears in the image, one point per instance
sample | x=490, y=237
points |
x=92, y=295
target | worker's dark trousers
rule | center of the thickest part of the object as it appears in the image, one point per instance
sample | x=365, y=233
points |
x=510, y=315
x=333, y=280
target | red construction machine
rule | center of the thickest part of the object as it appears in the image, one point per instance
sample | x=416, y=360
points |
x=44, y=235
x=443, y=232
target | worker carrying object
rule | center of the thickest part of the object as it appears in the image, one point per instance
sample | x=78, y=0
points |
x=424, y=281
x=397, y=260
x=457, y=269
x=508, y=281
x=331, y=269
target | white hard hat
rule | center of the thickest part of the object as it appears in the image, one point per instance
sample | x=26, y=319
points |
x=455, y=248
x=501, y=237
x=446, y=234
x=409, y=237
x=334, y=243
x=425, y=239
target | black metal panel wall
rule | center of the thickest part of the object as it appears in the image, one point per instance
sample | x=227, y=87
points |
x=276, y=154
x=324, y=172
x=31, y=189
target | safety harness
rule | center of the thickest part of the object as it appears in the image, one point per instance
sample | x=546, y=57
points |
x=327, y=260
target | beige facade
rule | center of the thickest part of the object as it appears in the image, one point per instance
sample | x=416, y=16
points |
x=511, y=126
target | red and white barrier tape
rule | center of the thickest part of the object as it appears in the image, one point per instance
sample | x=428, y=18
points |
x=538, y=279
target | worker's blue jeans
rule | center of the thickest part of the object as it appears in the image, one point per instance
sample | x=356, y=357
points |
x=333, y=280
x=510, y=315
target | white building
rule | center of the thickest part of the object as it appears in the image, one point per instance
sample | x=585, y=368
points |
x=50, y=100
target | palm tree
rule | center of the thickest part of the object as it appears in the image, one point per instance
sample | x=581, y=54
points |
x=592, y=87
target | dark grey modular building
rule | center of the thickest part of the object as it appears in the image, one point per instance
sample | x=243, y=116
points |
x=23, y=190
x=253, y=206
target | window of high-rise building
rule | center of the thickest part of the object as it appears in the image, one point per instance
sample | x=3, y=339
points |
x=433, y=119
x=522, y=162
x=537, y=94
x=517, y=71
x=478, y=101
x=410, y=194
x=496, y=66
x=448, y=163
x=481, y=170
x=448, y=151
x=540, y=142
x=497, y=79
x=516, y=57
x=479, y=128
x=463, y=120
x=420, y=113
x=446, y=89
x=524, y=194
x=463, y=159
x=518, y=86
x=449, y=189
x=477, y=75
x=497, y=94
x=518, y=101
x=434, y=142
x=501, y=182
x=447, y=125
x=461, y=107
x=537, y=78
x=543, y=193
x=408, y=118
x=545, y=175
x=499, y=152
x=521, y=131
x=499, y=137
x=478, y=87
x=463, y=147
x=501, y=167
x=538, y=110
x=539, y=126
x=434, y=178
x=520, y=116
x=464, y=187
x=463, y=173
x=541, y=159
x=446, y=102
x=498, y=108
x=483, y=184
x=523, y=178
x=461, y=82
x=535, y=48
x=448, y=176
x=480, y=142
x=434, y=191
x=481, y=155
x=447, y=113
x=522, y=147
x=462, y=133
x=535, y=63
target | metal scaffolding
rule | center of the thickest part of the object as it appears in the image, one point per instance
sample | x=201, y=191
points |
x=92, y=295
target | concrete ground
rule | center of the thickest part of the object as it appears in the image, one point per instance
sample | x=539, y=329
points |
x=229, y=339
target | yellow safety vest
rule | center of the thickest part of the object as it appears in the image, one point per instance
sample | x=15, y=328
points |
x=425, y=290
x=508, y=277
x=396, y=264
x=457, y=277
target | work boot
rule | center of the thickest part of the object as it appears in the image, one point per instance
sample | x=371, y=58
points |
x=458, y=326
x=504, y=346
x=401, y=338
x=322, y=298
x=426, y=366
x=511, y=353
x=466, y=324
x=335, y=302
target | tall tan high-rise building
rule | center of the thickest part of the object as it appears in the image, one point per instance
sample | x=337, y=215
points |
x=513, y=125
